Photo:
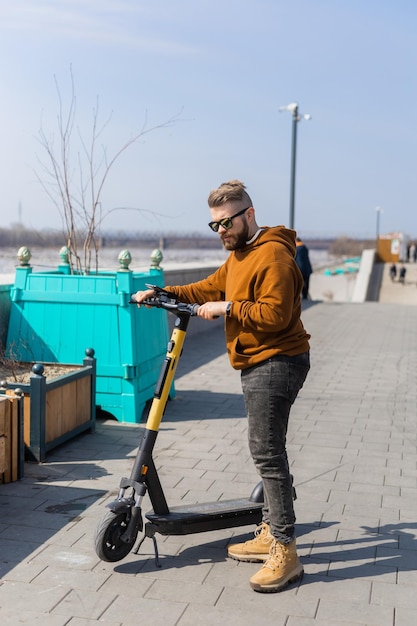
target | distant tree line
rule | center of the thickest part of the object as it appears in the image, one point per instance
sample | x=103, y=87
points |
x=344, y=246
x=20, y=236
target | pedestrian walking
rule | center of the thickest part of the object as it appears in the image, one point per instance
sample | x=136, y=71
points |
x=302, y=259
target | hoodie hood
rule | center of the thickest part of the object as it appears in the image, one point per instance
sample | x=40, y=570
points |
x=286, y=237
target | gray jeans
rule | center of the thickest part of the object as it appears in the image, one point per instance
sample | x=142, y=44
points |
x=269, y=390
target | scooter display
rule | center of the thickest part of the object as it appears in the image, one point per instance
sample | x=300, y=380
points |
x=119, y=527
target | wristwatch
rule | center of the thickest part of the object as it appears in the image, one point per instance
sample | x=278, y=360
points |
x=228, y=308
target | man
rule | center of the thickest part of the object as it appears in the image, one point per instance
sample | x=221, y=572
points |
x=302, y=259
x=258, y=290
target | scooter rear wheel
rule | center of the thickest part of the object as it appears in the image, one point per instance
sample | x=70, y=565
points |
x=108, y=543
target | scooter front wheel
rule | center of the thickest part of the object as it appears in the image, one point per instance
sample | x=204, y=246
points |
x=108, y=537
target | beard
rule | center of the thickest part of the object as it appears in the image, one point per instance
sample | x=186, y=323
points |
x=236, y=241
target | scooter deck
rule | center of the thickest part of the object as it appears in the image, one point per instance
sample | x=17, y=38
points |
x=197, y=518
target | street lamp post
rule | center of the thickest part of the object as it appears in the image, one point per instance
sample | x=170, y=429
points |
x=378, y=217
x=296, y=117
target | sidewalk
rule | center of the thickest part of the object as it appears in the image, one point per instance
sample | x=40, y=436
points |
x=341, y=287
x=352, y=447
x=401, y=293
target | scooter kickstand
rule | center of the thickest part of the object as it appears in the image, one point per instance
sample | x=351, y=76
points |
x=149, y=532
x=155, y=547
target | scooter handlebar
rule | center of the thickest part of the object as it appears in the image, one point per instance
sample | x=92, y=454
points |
x=164, y=300
x=174, y=307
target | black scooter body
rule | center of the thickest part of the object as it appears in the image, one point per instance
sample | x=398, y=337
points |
x=198, y=518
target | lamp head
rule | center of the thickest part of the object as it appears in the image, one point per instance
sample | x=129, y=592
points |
x=292, y=107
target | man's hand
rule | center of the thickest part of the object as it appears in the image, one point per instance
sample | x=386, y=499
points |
x=140, y=296
x=212, y=310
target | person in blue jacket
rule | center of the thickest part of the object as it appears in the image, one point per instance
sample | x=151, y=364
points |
x=302, y=259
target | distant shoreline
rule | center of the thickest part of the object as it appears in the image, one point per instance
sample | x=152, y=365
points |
x=168, y=241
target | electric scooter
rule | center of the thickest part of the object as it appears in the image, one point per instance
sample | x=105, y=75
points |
x=118, y=529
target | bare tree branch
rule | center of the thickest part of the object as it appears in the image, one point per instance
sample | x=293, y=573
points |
x=78, y=198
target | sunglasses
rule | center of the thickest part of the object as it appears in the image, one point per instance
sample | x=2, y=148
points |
x=226, y=222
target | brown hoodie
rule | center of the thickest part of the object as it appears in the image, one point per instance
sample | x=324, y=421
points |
x=264, y=284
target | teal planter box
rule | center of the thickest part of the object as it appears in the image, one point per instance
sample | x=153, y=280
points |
x=4, y=313
x=55, y=315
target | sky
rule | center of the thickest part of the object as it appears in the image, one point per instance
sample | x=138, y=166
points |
x=202, y=83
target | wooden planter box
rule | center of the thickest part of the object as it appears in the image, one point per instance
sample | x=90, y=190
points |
x=56, y=410
x=11, y=439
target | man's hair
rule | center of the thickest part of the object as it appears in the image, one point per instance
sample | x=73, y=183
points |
x=232, y=191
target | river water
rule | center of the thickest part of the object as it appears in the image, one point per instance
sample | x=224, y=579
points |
x=49, y=259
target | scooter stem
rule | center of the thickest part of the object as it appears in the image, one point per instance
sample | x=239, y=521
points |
x=166, y=376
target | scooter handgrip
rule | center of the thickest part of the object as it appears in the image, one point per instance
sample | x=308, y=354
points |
x=194, y=308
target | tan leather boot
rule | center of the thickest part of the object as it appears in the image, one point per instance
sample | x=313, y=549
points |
x=255, y=550
x=281, y=568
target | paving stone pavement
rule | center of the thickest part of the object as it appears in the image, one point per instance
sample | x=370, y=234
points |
x=352, y=448
x=399, y=292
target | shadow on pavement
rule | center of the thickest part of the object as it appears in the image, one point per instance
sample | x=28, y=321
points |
x=376, y=553
x=32, y=513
